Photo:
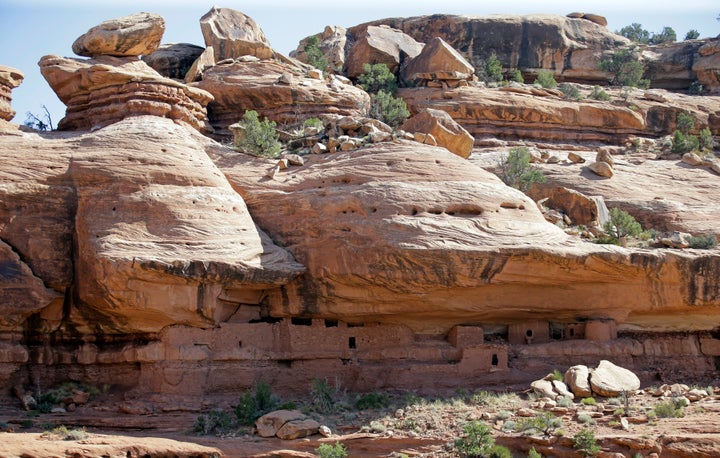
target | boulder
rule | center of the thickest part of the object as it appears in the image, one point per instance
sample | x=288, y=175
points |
x=296, y=429
x=675, y=239
x=604, y=155
x=447, y=133
x=269, y=424
x=101, y=91
x=575, y=158
x=577, y=378
x=596, y=18
x=543, y=388
x=610, y=380
x=241, y=86
x=380, y=45
x=233, y=34
x=173, y=60
x=437, y=61
x=692, y=159
x=581, y=209
x=138, y=34
x=204, y=60
x=562, y=390
x=10, y=78
x=601, y=168
x=332, y=42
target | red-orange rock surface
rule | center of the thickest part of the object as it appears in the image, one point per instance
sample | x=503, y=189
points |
x=233, y=34
x=100, y=91
x=10, y=78
x=380, y=45
x=256, y=86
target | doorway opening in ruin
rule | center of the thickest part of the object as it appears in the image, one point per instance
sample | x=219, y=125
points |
x=351, y=343
x=494, y=360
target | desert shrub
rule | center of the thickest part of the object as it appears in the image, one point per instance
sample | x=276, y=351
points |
x=696, y=88
x=313, y=54
x=391, y=110
x=588, y=401
x=692, y=34
x=255, y=403
x=703, y=242
x=376, y=78
x=74, y=434
x=570, y=91
x=259, y=137
x=322, y=396
x=669, y=409
x=557, y=375
x=493, y=69
x=621, y=225
x=476, y=441
x=516, y=170
x=683, y=143
x=39, y=122
x=517, y=76
x=685, y=123
x=565, y=401
x=584, y=441
x=313, y=122
x=534, y=453
x=546, y=79
x=545, y=424
x=635, y=32
x=372, y=401
x=498, y=451
x=667, y=35
x=585, y=419
x=706, y=139
x=509, y=425
x=626, y=68
x=599, y=94
x=332, y=451
x=215, y=422
x=503, y=415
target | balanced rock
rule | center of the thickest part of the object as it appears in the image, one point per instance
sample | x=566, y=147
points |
x=437, y=61
x=577, y=378
x=604, y=155
x=138, y=34
x=380, y=45
x=447, y=133
x=610, y=380
x=173, y=60
x=104, y=90
x=233, y=34
x=601, y=168
x=10, y=78
x=596, y=18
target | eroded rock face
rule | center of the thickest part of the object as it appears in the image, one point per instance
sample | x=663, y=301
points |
x=10, y=78
x=572, y=47
x=707, y=64
x=380, y=45
x=233, y=34
x=138, y=34
x=101, y=91
x=446, y=132
x=257, y=85
x=173, y=60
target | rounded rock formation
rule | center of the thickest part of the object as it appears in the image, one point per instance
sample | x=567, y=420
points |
x=10, y=78
x=138, y=34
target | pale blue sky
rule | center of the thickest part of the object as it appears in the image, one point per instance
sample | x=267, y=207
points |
x=31, y=29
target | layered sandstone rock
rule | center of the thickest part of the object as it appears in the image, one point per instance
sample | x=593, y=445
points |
x=671, y=65
x=173, y=60
x=571, y=47
x=380, y=45
x=707, y=65
x=10, y=78
x=134, y=35
x=404, y=218
x=104, y=90
x=160, y=236
x=233, y=34
x=257, y=85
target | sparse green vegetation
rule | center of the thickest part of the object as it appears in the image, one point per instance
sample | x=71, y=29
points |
x=254, y=404
x=259, y=138
x=377, y=77
x=372, y=400
x=546, y=79
x=667, y=35
x=332, y=451
x=516, y=170
x=625, y=67
x=62, y=432
x=313, y=54
x=706, y=139
x=493, y=69
x=214, y=422
x=388, y=109
x=570, y=91
x=703, y=242
x=585, y=419
x=534, y=453
x=588, y=401
x=313, y=122
x=545, y=424
x=517, y=76
x=692, y=34
x=322, y=396
x=621, y=225
x=477, y=442
x=669, y=409
x=635, y=32
x=683, y=141
x=599, y=94
x=584, y=441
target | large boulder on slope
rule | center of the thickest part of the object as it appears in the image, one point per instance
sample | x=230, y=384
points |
x=233, y=34
x=380, y=45
x=610, y=380
x=438, y=60
x=138, y=34
x=444, y=129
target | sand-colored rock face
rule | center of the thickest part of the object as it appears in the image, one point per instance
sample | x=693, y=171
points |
x=233, y=34
x=159, y=234
x=134, y=35
x=410, y=233
x=707, y=64
x=100, y=91
x=256, y=86
x=10, y=78
x=572, y=47
x=380, y=45
x=437, y=60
